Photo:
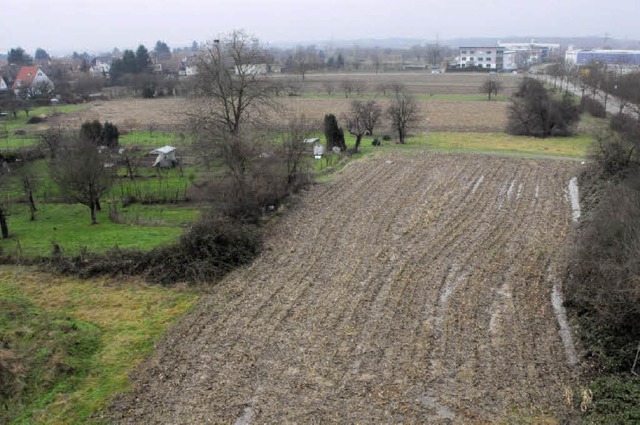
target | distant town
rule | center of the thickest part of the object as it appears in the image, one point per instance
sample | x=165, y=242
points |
x=80, y=75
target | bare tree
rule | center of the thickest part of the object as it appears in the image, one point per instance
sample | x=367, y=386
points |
x=80, y=171
x=347, y=87
x=50, y=141
x=403, y=113
x=490, y=86
x=329, y=87
x=361, y=119
x=229, y=84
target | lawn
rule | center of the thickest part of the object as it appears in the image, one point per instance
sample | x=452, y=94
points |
x=69, y=226
x=9, y=124
x=154, y=139
x=76, y=341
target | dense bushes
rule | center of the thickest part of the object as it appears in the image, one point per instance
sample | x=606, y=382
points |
x=593, y=107
x=603, y=285
x=534, y=112
x=214, y=246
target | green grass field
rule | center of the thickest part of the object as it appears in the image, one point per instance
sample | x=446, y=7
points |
x=154, y=139
x=69, y=226
x=76, y=341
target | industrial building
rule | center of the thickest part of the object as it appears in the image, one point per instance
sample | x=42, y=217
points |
x=625, y=58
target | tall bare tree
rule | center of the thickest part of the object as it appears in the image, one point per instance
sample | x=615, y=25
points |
x=403, y=114
x=230, y=85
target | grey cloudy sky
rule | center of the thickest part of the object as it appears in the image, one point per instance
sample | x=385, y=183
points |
x=67, y=25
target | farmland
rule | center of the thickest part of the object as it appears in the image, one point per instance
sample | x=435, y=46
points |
x=411, y=288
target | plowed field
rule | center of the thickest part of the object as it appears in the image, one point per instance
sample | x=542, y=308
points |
x=411, y=289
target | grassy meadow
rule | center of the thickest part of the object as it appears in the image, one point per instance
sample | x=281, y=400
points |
x=73, y=342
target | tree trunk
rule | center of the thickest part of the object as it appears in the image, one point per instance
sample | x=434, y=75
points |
x=98, y=207
x=358, y=139
x=94, y=220
x=3, y=224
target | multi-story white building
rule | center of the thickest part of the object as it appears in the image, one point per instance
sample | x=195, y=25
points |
x=481, y=57
x=532, y=52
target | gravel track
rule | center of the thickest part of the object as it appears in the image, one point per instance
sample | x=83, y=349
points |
x=409, y=289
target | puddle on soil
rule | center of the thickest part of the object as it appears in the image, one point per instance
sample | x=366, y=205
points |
x=478, y=183
x=565, y=331
x=575, y=199
x=443, y=412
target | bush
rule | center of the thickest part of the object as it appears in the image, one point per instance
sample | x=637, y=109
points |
x=534, y=112
x=593, y=107
x=148, y=92
x=627, y=126
x=110, y=135
x=36, y=120
x=210, y=249
x=214, y=246
x=616, y=400
x=605, y=288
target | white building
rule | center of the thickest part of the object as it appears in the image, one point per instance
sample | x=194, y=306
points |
x=101, y=67
x=532, y=52
x=481, y=57
x=3, y=84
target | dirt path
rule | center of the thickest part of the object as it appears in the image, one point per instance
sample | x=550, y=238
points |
x=412, y=289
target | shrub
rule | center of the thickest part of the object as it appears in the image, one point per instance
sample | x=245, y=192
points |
x=214, y=246
x=36, y=120
x=593, y=107
x=110, y=135
x=534, y=112
x=627, y=126
x=605, y=286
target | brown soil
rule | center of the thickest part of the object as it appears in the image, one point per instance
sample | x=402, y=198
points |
x=170, y=113
x=411, y=289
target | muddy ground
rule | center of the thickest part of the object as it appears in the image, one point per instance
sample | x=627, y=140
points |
x=411, y=289
x=170, y=114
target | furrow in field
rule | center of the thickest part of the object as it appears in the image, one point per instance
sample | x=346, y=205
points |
x=410, y=289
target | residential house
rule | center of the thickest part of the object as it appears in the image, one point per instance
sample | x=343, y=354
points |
x=31, y=78
x=3, y=84
x=101, y=67
x=187, y=67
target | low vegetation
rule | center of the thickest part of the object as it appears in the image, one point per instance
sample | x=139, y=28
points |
x=67, y=345
x=604, y=284
x=535, y=112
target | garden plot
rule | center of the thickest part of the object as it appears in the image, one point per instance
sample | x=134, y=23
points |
x=410, y=289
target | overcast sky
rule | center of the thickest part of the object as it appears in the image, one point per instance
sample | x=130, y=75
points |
x=66, y=25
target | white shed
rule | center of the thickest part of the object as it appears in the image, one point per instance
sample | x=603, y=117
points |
x=166, y=157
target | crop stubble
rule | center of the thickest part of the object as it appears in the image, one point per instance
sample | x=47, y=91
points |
x=410, y=289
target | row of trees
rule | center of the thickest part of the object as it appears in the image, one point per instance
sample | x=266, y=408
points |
x=364, y=116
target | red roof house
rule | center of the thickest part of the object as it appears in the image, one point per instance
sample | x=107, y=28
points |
x=29, y=77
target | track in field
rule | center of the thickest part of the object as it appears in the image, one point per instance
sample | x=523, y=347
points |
x=410, y=289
